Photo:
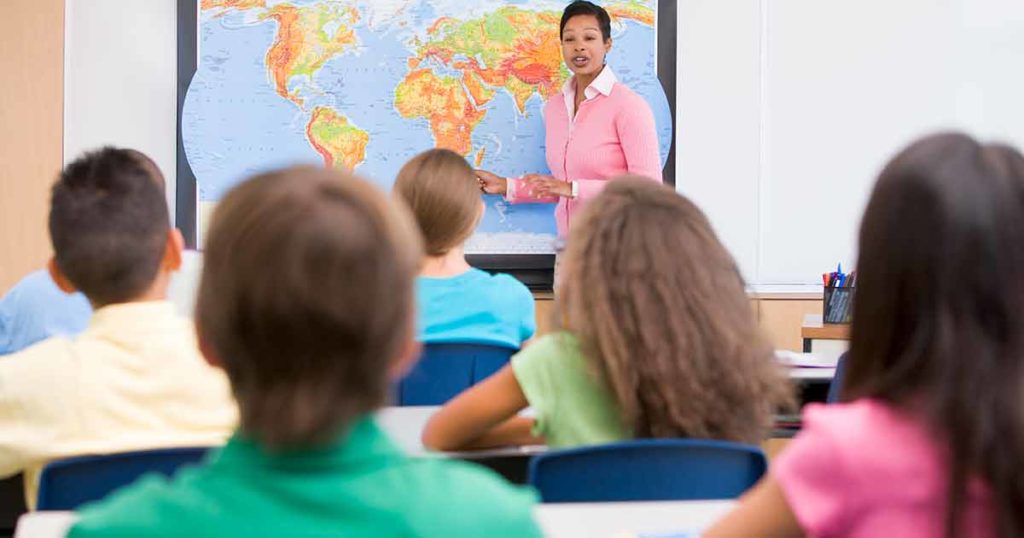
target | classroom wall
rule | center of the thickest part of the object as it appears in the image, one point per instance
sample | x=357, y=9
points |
x=31, y=51
x=121, y=65
x=786, y=109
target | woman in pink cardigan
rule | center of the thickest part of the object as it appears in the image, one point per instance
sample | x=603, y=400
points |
x=599, y=130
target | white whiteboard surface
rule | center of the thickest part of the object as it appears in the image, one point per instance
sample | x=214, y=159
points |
x=839, y=87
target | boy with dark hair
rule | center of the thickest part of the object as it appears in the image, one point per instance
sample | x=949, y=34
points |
x=134, y=378
x=306, y=301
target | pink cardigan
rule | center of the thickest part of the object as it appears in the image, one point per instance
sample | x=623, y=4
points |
x=613, y=134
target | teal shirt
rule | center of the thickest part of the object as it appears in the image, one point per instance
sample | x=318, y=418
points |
x=475, y=308
x=572, y=405
x=360, y=486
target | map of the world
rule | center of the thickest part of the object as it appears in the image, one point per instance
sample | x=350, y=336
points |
x=366, y=85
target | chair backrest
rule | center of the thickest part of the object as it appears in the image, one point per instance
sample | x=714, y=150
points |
x=445, y=370
x=835, y=388
x=65, y=484
x=648, y=470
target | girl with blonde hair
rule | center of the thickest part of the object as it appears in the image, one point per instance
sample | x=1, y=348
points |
x=458, y=303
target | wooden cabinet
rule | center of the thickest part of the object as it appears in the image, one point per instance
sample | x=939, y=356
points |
x=31, y=130
x=781, y=317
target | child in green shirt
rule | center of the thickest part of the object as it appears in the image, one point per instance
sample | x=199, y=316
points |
x=659, y=340
x=306, y=301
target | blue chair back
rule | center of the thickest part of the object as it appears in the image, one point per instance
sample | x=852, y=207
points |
x=68, y=483
x=647, y=470
x=835, y=388
x=445, y=370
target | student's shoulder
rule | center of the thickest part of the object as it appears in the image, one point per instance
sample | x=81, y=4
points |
x=509, y=284
x=551, y=354
x=460, y=499
x=45, y=357
x=866, y=437
x=858, y=421
x=153, y=506
x=38, y=281
x=556, y=343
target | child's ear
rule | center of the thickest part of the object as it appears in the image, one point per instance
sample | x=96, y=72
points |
x=58, y=277
x=206, y=349
x=172, y=252
x=408, y=355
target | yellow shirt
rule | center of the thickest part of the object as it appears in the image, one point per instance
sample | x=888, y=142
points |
x=133, y=380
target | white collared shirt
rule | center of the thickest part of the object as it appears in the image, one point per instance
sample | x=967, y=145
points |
x=601, y=85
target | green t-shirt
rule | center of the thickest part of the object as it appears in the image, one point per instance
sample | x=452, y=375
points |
x=360, y=486
x=573, y=406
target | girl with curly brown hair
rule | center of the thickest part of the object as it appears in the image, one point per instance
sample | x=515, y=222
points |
x=659, y=340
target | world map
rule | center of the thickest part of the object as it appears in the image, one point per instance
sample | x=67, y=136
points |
x=366, y=85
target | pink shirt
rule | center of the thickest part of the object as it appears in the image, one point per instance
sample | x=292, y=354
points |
x=613, y=133
x=866, y=469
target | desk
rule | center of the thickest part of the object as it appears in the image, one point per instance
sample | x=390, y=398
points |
x=824, y=339
x=405, y=425
x=824, y=375
x=45, y=524
x=564, y=520
x=615, y=520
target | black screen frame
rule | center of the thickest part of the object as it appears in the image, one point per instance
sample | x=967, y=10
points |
x=534, y=270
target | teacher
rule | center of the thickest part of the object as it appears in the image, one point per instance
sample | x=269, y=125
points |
x=599, y=130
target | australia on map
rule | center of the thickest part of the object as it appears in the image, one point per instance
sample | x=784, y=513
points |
x=366, y=85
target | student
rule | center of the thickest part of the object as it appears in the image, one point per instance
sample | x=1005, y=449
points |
x=36, y=309
x=134, y=378
x=458, y=303
x=660, y=340
x=930, y=440
x=310, y=343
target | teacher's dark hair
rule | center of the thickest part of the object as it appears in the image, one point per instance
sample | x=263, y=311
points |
x=938, y=322
x=582, y=7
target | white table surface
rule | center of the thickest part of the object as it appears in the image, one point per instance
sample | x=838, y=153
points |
x=621, y=520
x=561, y=520
x=816, y=374
x=405, y=426
x=44, y=524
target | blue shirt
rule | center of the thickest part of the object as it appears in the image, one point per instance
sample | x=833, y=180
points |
x=36, y=309
x=475, y=308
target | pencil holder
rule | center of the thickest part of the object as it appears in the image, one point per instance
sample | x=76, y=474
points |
x=837, y=304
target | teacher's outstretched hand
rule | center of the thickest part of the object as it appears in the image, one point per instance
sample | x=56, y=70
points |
x=491, y=183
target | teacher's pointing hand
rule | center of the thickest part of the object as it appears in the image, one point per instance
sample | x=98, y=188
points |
x=491, y=183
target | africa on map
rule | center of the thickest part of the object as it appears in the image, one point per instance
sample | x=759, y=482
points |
x=366, y=85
